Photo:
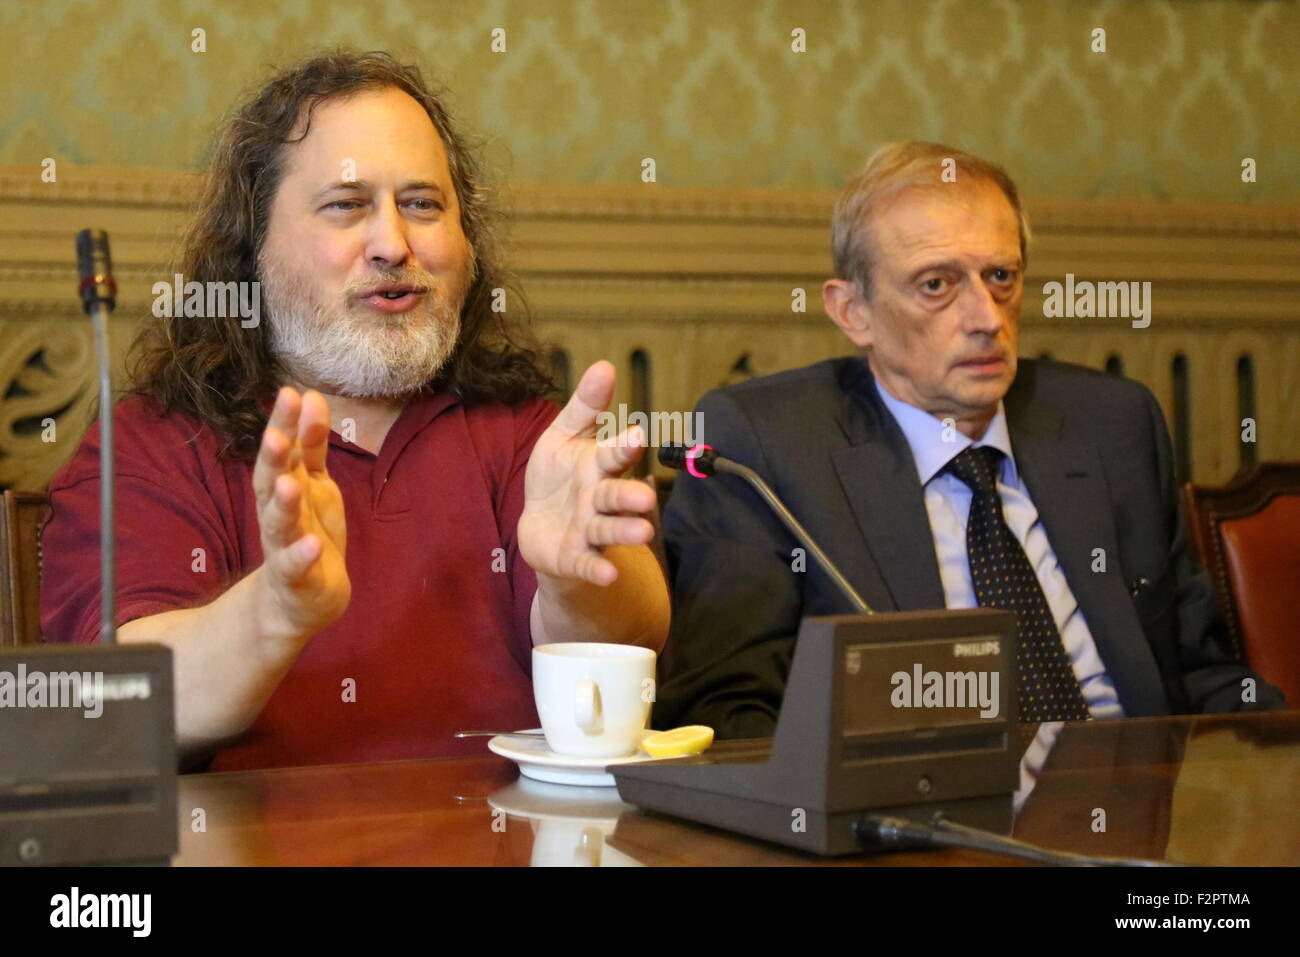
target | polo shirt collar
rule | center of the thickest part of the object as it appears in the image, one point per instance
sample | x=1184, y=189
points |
x=421, y=409
x=418, y=412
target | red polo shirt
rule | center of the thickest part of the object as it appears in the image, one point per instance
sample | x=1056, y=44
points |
x=436, y=638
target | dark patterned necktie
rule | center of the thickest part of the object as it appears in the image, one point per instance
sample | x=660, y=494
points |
x=1004, y=578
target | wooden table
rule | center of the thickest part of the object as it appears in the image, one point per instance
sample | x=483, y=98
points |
x=1222, y=789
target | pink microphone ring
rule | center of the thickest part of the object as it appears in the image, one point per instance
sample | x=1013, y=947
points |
x=693, y=453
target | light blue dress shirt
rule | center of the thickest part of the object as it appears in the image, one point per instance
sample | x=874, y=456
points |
x=947, y=500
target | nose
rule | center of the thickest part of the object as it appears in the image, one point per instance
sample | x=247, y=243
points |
x=386, y=243
x=981, y=312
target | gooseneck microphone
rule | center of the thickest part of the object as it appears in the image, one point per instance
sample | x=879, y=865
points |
x=88, y=739
x=871, y=773
x=701, y=461
x=98, y=294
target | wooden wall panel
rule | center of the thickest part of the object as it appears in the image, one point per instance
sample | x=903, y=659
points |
x=701, y=279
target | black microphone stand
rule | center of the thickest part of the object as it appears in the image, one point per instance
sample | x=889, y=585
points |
x=703, y=460
x=88, y=769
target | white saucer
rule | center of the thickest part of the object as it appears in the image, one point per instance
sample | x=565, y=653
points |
x=537, y=761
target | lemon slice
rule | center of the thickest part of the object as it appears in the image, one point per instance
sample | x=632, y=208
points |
x=691, y=739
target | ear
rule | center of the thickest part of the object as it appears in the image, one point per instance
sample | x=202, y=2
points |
x=848, y=309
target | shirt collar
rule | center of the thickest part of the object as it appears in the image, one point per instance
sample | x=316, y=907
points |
x=931, y=451
x=419, y=411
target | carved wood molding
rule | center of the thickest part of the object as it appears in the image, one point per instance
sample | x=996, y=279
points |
x=173, y=192
x=47, y=374
x=98, y=186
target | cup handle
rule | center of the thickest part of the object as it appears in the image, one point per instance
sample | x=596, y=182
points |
x=586, y=705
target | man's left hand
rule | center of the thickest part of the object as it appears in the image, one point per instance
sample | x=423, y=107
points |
x=575, y=504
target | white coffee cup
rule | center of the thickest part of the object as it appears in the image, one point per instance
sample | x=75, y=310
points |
x=594, y=699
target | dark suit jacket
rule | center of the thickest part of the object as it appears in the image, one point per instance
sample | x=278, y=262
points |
x=1095, y=455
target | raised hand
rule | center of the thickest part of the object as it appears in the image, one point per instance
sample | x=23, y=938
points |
x=575, y=503
x=304, y=583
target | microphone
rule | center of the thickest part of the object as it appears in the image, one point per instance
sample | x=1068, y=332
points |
x=95, y=270
x=848, y=748
x=702, y=461
x=870, y=773
x=98, y=294
x=699, y=459
x=88, y=766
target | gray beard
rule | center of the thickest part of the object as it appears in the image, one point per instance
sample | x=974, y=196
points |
x=348, y=351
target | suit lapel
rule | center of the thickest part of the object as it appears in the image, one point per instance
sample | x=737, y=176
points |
x=878, y=476
x=1066, y=482
x=1068, y=488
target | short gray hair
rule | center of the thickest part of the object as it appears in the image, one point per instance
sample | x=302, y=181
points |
x=891, y=169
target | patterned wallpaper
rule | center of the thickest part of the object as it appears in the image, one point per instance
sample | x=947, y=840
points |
x=712, y=90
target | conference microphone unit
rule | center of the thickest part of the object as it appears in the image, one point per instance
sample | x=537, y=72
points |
x=886, y=715
x=87, y=732
x=897, y=730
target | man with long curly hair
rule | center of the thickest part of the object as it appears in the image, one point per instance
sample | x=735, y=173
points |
x=353, y=520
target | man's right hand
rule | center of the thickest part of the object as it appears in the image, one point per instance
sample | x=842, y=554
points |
x=303, y=581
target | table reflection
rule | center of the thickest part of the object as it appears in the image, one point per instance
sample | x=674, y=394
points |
x=1197, y=790
x=570, y=824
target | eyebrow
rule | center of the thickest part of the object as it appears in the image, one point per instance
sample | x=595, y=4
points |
x=952, y=265
x=362, y=185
